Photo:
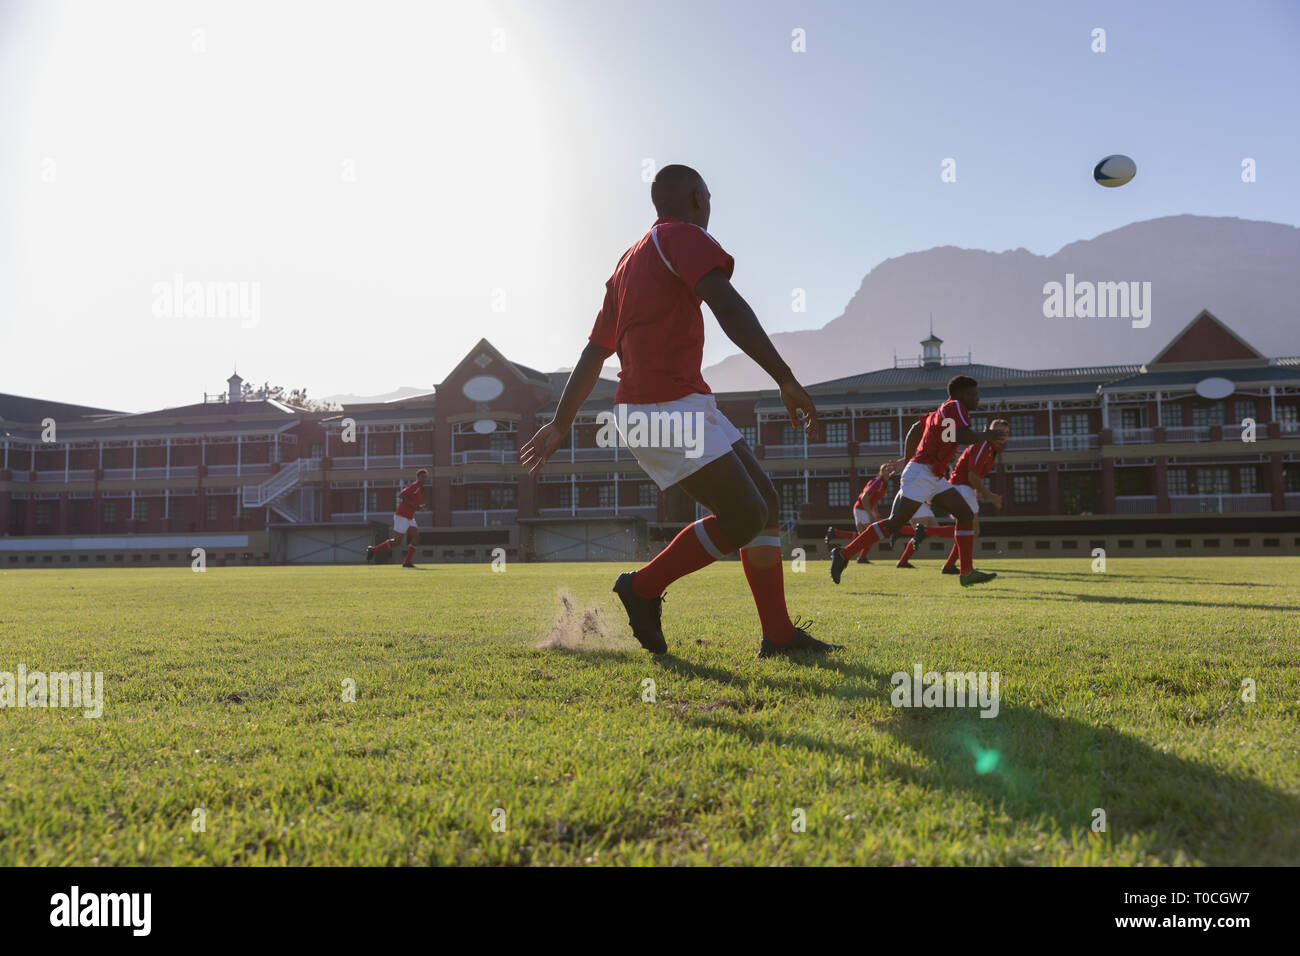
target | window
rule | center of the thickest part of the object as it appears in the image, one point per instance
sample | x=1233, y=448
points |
x=750, y=434
x=1213, y=481
x=1133, y=417
x=838, y=494
x=880, y=433
x=837, y=433
x=501, y=441
x=213, y=512
x=792, y=498
x=1074, y=430
x=1176, y=478
x=42, y=514
x=791, y=435
x=140, y=511
x=372, y=446
x=1289, y=414
x=1242, y=409
x=501, y=498
x=1249, y=481
x=605, y=496
x=408, y=444
x=1171, y=416
x=317, y=450
x=110, y=512
x=1022, y=426
x=1079, y=492
x=1291, y=480
x=372, y=502
x=979, y=423
x=1024, y=488
x=566, y=496
x=647, y=495
x=474, y=499
x=1207, y=413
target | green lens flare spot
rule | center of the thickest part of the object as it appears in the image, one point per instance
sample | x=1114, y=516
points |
x=986, y=761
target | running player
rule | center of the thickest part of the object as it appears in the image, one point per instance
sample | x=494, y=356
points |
x=973, y=466
x=866, y=508
x=651, y=318
x=931, y=445
x=409, y=500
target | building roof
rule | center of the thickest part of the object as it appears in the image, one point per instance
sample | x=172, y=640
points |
x=984, y=374
x=31, y=411
x=1188, y=377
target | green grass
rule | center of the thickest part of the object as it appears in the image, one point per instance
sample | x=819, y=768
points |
x=223, y=690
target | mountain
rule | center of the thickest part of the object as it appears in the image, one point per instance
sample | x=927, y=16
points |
x=1246, y=272
x=405, y=391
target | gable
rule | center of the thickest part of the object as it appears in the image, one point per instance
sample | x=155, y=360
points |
x=1205, y=339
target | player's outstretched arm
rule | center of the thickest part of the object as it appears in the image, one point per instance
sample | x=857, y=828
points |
x=550, y=436
x=741, y=325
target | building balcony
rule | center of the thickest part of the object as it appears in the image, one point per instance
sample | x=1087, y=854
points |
x=1133, y=436
x=484, y=518
x=1181, y=433
x=1135, y=504
x=648, y=512
x=1219, y=504
x=486, y=456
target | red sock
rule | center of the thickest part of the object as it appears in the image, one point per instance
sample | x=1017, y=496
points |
x=907, y=529
x=697, y=545
x=952, y=556
x=941, y=531
x=383, y=545
x=761, y=559
x=863, y=542
x=907, y=552
x=845, y=534
x=965, y=538
x=410, y=553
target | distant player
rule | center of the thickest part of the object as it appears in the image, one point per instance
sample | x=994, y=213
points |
x=409, y=500
x=651, y=318
x=973, y=466
x=866, y=508
x=931, y=444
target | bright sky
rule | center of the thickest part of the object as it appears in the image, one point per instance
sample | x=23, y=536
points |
x=391, y=187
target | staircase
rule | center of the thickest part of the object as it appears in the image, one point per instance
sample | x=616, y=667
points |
x=282, y=493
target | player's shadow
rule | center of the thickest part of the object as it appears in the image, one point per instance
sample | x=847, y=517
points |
x=1064, y=596
x=1090, y=575
x=1047, y=770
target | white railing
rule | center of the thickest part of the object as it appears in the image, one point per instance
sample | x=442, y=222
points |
x=1187, y=433
x=483, y=518
x=1219, y=504
x=485, y=456
x=1289, y=428
x=346, y=462
x=1133, y=436
x=383, y=461
x=284, y=480
x=828, y=449
x=1029, y=442
x=783, y=451
x=649, y=512
x=1291, y=501
x=878, y=448
x=1135, y=504
x=116, y=474
x=1077, y=442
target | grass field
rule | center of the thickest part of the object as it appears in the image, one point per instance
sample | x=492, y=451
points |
x=224, y=691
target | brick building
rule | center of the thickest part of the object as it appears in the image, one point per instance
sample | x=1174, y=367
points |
x=1153, y=459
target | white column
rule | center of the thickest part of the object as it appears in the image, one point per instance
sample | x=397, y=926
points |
x=1272, y=414
x=7, y=453
x=573, y=494
x=365, y=446
x=1051, y=431
x=365, y=499
x=616, y=494
x=902, y=439
x=239, y=455
x=167, y=463
x=401, y=445
x=1159, y=415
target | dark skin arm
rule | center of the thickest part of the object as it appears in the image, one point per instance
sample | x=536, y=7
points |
x=738, y=321
x=550, y=436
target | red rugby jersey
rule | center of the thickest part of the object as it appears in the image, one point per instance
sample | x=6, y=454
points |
x=975, y=459
x=933, y=451
x=871, y=494
x=412, y=496
x=651, y=315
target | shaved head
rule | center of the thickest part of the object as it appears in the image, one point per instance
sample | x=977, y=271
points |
x=679, y=191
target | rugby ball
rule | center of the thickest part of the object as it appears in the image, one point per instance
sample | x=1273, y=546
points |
x=1114, y=170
